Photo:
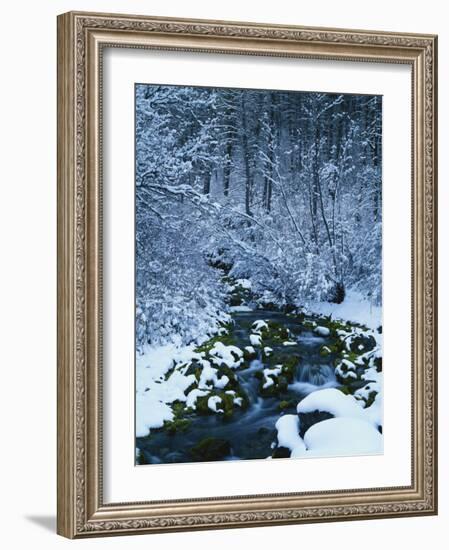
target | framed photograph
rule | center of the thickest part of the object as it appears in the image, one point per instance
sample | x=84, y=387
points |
x=246, y=274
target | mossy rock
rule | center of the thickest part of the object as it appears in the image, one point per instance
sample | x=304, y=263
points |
x=325, y=351
x=201, y=407
x=228, y=327
x=176, y=425
x=249, y=356
x=285, y=404
x=227, y=404
x=307, y=323
x=279, y=386
x=233, y=383
x=178, y=408
x=226, y=339
x=289, y=362
x=363, y=343
x=210, y=449
x=235, y=300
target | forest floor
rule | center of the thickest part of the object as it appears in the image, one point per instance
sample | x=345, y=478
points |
x=270, y=384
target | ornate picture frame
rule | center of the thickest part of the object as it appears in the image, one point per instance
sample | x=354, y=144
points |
x=82, y=39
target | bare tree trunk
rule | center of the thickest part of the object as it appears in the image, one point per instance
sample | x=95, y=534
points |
x=227, y=168
x=245, y=154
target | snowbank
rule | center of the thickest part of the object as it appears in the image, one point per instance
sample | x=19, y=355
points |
x=354, y=308
x=335, y=402
x=288, y=435
x=345, y=436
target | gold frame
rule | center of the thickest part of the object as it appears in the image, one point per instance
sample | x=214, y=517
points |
x=81, y=37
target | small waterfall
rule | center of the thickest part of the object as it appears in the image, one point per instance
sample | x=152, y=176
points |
x=315, y=374
x=310, y=378
x=248, y=381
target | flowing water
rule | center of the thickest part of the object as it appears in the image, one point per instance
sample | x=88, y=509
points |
x=250, y=431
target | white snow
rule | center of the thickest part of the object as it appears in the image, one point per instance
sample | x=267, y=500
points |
x=251, y=350
x=346, y=436
x=150, y=413
x=212, y=403
x=372, y=374
x=154, y=394
x=354, y=308
x=288, y=343
x=346, y=369
x=268, y=373
x=374, y=413
x=322, y=331
x=193, y=395
x=366, y=391
x=255, y=340
x=243, y=283
x=231, y=356
x=240, y=308
x=332, y=401
x=259, y=325
x=288, y=436
x=209, y=377
x=338, y=404
x=267, y=350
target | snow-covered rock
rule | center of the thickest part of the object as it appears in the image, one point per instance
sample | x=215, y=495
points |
x=255, y=340
x=287, y=427
x=259, y=325
x=213, y=402
x=343, y=436
x=336, y=403
x=322, y=331
x=332, y=401
x=193, y=395
x=269, y=373
x=231, y=356
x=345, y=369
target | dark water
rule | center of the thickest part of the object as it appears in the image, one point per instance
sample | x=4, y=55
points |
x=250, y=432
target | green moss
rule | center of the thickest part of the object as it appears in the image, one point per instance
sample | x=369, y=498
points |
x=346, y=390
x=233, y=381
x=284, y=404
x=178, y=409
x=226, y=339
x=249, y=356
x=307, y=323
x=227, y=404
x=325, y=351
x=176, y=425
x=210, y=448
x=202, y=407
x=235, y=300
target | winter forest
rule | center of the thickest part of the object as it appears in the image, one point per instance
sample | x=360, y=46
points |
x=258, y=274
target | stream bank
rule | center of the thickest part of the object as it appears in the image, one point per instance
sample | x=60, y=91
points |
x=235, y=387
